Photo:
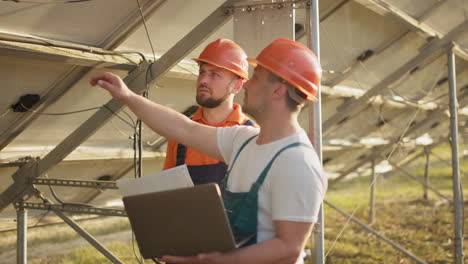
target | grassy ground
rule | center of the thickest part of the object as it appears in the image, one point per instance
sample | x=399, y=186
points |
x=423, y=227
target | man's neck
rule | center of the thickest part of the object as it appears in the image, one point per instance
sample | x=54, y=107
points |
x=277, y=126
x=218, y=114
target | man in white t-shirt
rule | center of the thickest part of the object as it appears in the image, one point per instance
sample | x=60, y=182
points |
x=275, y=184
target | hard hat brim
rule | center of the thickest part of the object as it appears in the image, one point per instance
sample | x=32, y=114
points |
x=243, y=76
x=255, y=63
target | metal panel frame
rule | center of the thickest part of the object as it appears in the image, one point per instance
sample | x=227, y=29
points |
x=352, y=106
x=137, y=81
x=68, y=80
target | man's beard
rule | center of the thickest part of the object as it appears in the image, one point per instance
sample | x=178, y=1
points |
x=211, y=102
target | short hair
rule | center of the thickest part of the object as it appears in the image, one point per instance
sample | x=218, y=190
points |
x=295, y=98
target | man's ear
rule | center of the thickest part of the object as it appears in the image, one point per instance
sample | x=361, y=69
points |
x=238, y=83
x=280, y=90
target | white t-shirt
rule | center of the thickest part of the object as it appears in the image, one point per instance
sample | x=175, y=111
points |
x=293, y=188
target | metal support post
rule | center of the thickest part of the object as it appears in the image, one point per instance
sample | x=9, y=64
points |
x=372, y=194
x=315, y=128
x=88, y=237
x=22, y=238
x=420, y=181
x=426, y=172
x=457, y=200
x=370, y=230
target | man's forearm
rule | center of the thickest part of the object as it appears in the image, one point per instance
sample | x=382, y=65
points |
x=274, y=251
x=174, y=125
x=163, y=120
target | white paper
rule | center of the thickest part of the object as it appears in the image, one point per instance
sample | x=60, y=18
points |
x=170, y=179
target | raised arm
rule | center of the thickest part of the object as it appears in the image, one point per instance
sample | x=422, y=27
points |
x=163, y=120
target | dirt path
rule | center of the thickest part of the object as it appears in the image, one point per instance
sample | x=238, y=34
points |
x=46, y=250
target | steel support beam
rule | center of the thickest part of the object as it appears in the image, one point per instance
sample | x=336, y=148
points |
x=75, y=209
x=438, y=115
x=95, y=57
x=315, y=128
x=384, y=8
x=447, y=162
x=374, y=232
x=88, y=197
x=75, y=183
x=435, y=116
x=137, y=82
x=426, y=172
x=88, y=237
x=457, y=199
x=327, y=13
x=356, y=65
x=406, y=173
x=131, y=24
x=354, y=106
x=22, y=235
x=372, y=194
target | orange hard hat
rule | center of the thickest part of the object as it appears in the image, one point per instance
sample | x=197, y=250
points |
x=294, y=63
x=226, y=54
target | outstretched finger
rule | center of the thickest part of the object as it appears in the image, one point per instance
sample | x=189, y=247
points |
x=105, y=84
x=106, y=76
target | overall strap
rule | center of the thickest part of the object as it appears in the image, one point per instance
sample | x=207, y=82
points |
x=248, y=123
x=182, y=149
x=265, y=171
x=225, y=179
x=239, y=151
x=180, y=156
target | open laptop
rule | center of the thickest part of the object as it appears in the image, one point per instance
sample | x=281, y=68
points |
x=180, y=222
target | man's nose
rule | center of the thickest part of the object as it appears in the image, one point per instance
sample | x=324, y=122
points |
x=202, y=79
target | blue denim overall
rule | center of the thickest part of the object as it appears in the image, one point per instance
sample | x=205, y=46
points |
x=242, y=207
x=201, y=174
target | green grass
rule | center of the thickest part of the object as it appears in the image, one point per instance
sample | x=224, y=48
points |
x=423, y=227
x=89, y=255
x=63, y=233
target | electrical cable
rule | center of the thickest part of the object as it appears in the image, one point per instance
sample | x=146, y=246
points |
x=52, y=191
x=5, y=113
x=84, y=110
x=120, y=131
x=133, y=248
x=426, y=92
x=341, y=231
x=138, y=129
x=129, y=116
x=41, y=217
x=59, y=114
x=133, y=125
x=146, y=28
